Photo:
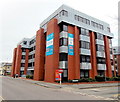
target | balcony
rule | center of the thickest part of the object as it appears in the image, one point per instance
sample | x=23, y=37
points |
x=101, y=66
x=22, y=60
x=85, y=51
x=63, y=34
x=63, y=64
x=63, y=49
x=111, y=56
x=85, y=38
x=85, y=65
x=100, y=54
x=99, y=42
x=22, y=69
x=31, y=60
x=112, y=68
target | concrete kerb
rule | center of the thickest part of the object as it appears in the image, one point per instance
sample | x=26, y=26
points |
x=79, y=86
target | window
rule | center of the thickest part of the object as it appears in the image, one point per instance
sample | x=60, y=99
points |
x=111, y=62
x=108, y=29
x=63, y=41
x=23, y=50
x=84, y=44
x=100, y=60
x=100, y=48
x=99, y=36
x=63, y=27
x=63, y=13
x=34, y=47
x=32, y=41
x=33, y=56
x=81, y=19
x=87, y=58
x=29, y=64
x=30, y=56
x=63, y=57
x=32, y=63
x=96, y=25
x=84, y=31
x=101, y=73
x=110, y=41
x=22, y=64
x=84, y=73
x=114, y=50
x=84, y=58
x=88, y=22
x=110, y=50
x=23, y=57
x=31, y=49
x=24, y=42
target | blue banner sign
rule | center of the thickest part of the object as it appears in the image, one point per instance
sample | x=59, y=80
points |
x=70, y=44
x=49, y=44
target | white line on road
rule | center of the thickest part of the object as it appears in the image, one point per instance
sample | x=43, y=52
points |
x=1, y=97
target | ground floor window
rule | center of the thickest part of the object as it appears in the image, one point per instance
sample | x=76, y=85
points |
x=101, y=73
x=65, y=75
x=30, y=72
x=84, y=73
x=21, y=73
x=113, y=73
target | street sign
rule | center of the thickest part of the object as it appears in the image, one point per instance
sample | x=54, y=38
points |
x=58, y=75
x=60, y=70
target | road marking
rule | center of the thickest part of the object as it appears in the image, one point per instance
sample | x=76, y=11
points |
x=1, y=97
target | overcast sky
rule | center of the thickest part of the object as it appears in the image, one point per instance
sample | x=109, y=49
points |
x=21, y=18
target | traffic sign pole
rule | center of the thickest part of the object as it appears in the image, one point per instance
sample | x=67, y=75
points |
x=60, y=78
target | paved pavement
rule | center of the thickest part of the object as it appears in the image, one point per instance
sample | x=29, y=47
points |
x=106, y=91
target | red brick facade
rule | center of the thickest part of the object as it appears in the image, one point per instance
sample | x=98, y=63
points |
x=45, y=66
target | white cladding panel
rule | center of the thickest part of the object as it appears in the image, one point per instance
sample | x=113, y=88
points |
x=101, y=66
x=100, y=42
x=85, y=51
x=63, y=49
x=85, y=38
x=100, y=54
x=63, y=34
x=85, y=65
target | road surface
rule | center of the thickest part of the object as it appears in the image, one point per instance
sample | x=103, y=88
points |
x=17, y=89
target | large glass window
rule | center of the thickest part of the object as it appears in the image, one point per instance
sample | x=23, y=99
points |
x=63, y=27
x=84, y=73
x=84, y=58
x=63, y=13
x=63, y=41
x=29, y=64
x=22, y=64
x=84, y=44
x=100, y=48
x=101, y=60
x=23, y=50
x=81, y=19
x=63, y=56
x=23, y=57
x=110, y=50
x=84, y=31
x=99, y=36
x=94, y=24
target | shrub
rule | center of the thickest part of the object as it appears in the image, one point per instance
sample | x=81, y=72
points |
x=111, y=79
x=86, y=80
x=100, y=78
x=29, y=76
x=116, y=78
